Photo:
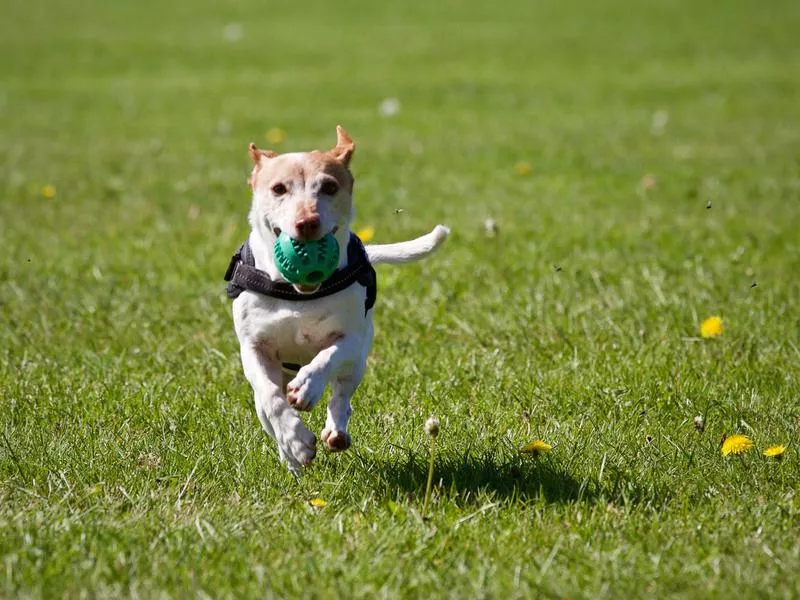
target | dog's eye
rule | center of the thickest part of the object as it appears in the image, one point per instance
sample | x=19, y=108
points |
x=279, y=189
x=329, y=188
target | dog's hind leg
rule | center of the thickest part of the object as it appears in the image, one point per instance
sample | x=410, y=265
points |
x=335, y=435
x=344, y=384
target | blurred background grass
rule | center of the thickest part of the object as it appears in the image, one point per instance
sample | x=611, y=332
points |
x=641, y=163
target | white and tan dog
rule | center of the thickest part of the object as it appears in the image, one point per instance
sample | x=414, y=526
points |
x=308, y=195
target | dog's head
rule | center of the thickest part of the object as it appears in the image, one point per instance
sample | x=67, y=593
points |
x=305, y=194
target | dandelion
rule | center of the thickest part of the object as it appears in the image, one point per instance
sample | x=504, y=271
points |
x=775, y=451
x=389, y=107
x=95, y=489
x=523, y=168
x=648, y=182
x=536, y=447
x=275, y=135
x=49, y=191
x=318, y=503
x=659, y=122
x=366, y=234
x=711, y=327
x=432, y=429
x=736, y=444
x=233, y=32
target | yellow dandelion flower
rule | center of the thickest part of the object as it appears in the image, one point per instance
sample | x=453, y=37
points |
x=536, y=447
x=648, y=181
x=736, y=444
x=775, y=451
x=523, y=168
x=49, y=191
x=95, y=489
x=711, y=327
x=366, y=234
x=318, y=503
x=275, y=135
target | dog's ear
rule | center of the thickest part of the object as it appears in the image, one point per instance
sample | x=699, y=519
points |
x=345, y=147
x=257, y=154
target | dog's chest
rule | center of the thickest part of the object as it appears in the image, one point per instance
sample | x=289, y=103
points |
x=299, y=330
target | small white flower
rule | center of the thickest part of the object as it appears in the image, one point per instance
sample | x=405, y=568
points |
x=389, y=107
x=233, y=32
x=490, y=227
x=432, y=427
x=699, y=423
x=659, y=122
x=223, y=127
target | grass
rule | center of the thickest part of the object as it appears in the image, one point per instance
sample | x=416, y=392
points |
x=131, y=459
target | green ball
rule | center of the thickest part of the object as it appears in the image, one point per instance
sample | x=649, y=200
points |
x=306, y=263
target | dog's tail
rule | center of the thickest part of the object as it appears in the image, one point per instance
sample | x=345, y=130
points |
x=403, y=252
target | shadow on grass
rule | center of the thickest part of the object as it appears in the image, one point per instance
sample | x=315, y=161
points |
x=469, y=476
x=511, y=476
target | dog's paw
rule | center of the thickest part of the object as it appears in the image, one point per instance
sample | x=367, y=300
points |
x=305, y=390
x=298, y=446
x=335, y=441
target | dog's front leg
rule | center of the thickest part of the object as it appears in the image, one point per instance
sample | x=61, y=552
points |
x=296, y=444
x=305, y=390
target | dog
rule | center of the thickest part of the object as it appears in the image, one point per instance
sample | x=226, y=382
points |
x=295, y=339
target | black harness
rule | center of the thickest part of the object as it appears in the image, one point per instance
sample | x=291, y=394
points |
x=242, y=275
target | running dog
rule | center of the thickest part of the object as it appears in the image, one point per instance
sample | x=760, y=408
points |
x=295, y=339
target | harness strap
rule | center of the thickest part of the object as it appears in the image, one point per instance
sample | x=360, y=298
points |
x=242, y=275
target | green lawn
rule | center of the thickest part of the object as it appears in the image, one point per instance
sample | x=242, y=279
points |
x=663, y=145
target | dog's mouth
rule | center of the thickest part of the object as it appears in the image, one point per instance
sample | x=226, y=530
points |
x=306, y=289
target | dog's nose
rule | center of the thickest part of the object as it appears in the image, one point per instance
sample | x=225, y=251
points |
x=308, y=227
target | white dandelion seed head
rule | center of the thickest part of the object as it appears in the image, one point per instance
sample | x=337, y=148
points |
x=432, y=427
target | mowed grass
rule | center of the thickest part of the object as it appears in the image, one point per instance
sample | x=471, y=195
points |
x=662, y=140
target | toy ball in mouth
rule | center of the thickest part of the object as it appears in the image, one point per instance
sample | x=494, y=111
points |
x=306, y=263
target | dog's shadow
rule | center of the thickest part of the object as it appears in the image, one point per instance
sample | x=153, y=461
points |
x=487, y=474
